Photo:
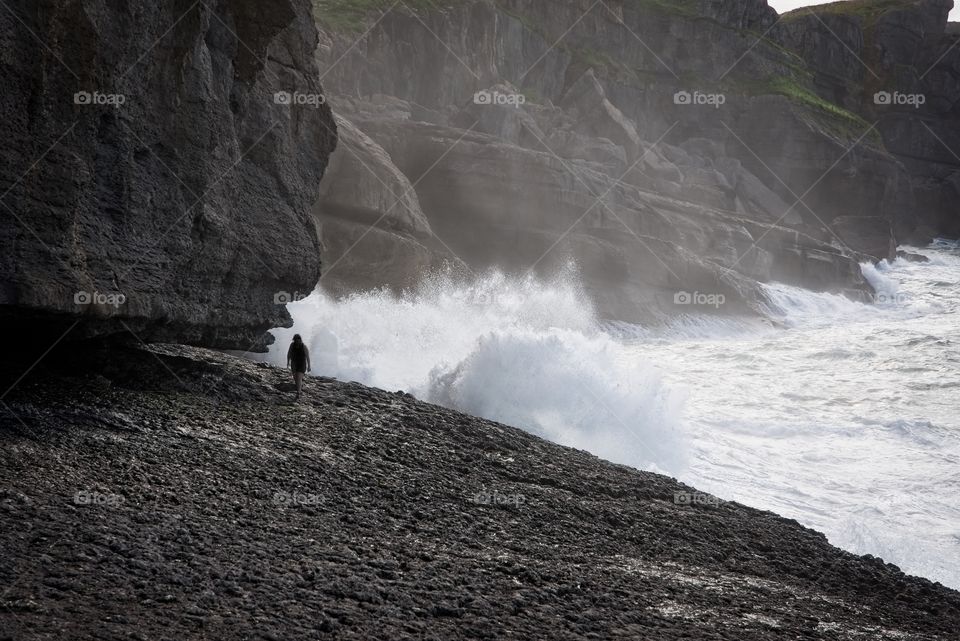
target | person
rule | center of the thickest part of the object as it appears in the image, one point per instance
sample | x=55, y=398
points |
x=298, y=360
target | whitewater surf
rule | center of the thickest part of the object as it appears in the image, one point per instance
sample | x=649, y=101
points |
x=844, y=416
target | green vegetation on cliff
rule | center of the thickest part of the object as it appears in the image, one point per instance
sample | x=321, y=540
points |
x=869, y=10
x=793, y=82
x=833, y=118
x=788, y=87
x=869, y=13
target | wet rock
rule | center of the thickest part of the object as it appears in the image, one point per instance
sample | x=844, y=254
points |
x=913, y=258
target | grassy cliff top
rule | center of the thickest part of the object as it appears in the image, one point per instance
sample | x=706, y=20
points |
x=867, y=9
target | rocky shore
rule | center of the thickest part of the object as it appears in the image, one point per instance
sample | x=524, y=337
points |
x=178, y=493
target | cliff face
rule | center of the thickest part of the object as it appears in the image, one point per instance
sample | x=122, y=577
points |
x=900, y=68
x=152, y=177
x=665, y=147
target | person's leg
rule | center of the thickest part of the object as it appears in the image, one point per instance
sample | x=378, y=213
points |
x=298, y=379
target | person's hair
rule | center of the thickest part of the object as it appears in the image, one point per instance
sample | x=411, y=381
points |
x=297, y=339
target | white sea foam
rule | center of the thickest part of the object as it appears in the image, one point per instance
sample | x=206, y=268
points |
x=522, y=352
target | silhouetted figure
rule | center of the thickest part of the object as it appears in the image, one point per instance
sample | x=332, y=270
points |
x=298, y=360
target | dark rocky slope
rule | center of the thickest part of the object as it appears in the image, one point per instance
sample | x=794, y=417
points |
x=150, y=180
x=785, y=181
x=177, y=494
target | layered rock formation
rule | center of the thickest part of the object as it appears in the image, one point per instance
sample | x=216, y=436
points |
x=900, y=68
x=665, y=147
x=177, y=493
x=369, y=203
x=159, y=164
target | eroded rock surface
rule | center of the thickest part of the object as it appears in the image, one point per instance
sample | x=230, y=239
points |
x=372, y=229
x=177, y=493
x=151, y=179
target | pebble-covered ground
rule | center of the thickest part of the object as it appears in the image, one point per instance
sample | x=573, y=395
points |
x=177, y=493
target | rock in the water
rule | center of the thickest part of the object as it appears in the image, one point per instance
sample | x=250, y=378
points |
x=911, y=257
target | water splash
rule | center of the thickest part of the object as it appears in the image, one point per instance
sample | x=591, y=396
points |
x=524, y=352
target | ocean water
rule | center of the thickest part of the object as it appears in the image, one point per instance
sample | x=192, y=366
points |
x=842, y=415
